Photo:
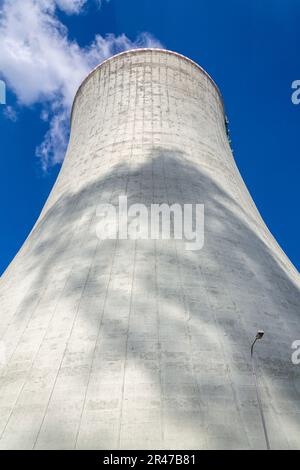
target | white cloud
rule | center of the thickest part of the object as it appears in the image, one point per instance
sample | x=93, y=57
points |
x=52, y=149
x=71, y=6
x=74, y=6
x=10, y=113
x=42, y=65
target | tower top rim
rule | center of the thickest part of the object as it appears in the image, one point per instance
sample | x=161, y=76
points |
x=147, y=49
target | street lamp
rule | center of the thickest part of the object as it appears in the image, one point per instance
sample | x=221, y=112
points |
x=258, y=336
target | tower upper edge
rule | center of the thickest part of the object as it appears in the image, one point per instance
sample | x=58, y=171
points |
x=139, y=50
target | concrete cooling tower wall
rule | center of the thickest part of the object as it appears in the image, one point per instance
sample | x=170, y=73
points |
x=132, y=343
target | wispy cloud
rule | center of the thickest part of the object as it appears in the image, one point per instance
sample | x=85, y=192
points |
x=42, y=65
x=10, y=113
x=71, y=6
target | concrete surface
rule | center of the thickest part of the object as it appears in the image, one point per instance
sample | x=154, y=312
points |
x=142, y=344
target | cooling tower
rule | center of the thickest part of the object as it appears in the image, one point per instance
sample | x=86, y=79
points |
x=115, y=343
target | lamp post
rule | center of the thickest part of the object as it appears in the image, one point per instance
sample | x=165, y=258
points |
x=258, y=336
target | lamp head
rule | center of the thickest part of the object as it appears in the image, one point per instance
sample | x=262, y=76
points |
x=260, y=334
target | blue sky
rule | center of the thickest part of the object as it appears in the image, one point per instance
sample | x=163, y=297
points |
x=249, y=48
